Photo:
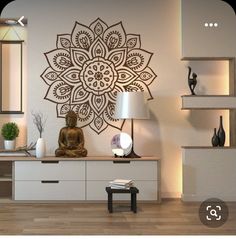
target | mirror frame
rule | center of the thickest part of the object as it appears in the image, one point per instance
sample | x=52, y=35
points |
x=10, y=111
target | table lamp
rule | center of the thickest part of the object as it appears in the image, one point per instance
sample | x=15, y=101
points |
x=131, y=105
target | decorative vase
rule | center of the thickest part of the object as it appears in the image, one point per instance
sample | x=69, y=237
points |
x=10, y=144
x=215, y=139
x=221, y=133
x=40, y=148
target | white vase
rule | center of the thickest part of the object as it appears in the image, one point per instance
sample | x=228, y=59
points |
x=40, y=148
x=10, y=144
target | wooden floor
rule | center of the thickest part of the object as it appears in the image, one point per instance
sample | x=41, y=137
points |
x=170, y=217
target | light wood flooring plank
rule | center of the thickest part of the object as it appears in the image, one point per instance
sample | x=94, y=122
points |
x=170, y=217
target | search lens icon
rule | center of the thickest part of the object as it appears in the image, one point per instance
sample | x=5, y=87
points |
x=213, y=213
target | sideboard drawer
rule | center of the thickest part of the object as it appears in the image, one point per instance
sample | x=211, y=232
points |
x=135, y=170
x=46, y=190
x=49, y=170
x=148, y=190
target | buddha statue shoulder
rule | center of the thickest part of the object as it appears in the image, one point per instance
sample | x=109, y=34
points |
x=71, y=139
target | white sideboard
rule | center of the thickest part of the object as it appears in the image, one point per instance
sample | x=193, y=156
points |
x=82, y=179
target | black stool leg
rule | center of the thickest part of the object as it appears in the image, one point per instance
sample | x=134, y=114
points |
x=109, y=203
x=133, y=202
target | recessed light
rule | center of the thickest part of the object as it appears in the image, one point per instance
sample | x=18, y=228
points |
x=206, y=24
x=215, y=24
x=211, y=24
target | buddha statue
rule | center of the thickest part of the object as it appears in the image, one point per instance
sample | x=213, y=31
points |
x=71, y=139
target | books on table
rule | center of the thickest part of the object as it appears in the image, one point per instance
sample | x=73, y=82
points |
x=121, y=184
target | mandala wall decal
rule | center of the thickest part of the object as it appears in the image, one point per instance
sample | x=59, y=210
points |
x=88, y=68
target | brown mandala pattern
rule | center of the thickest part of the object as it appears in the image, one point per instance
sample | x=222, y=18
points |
x=88, y=68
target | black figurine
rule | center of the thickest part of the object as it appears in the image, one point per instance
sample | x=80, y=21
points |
x=192, y=82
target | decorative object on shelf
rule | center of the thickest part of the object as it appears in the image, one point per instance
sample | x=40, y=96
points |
x=19, y=151
x=40, y=148
x=121, y=144
x=9, y=132
x=131, y=105
x=89, y=65
x=121, y=184
x=39, y=122
x=192, y=82
x=215, y=139
x=221, y=133
x=71, y=139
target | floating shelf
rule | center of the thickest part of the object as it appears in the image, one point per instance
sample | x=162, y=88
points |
x=207, y=147
x=208, y=102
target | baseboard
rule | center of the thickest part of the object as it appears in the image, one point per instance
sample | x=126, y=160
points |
x=171, y=194
x=201, y=198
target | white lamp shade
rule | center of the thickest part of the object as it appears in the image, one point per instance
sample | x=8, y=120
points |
x=131, y=105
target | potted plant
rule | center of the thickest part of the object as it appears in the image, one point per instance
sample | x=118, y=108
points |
x=9, y=132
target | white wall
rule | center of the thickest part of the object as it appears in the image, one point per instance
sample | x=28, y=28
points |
x=158, y=23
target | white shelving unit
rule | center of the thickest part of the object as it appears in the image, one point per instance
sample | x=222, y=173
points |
x=5, y=180
x=210, y=172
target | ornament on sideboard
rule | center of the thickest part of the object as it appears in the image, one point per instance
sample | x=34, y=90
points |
x=71, y=139
x=39, y=121
x=221, y=133
x=10, y=132
x=192, y=82
x=215, y=139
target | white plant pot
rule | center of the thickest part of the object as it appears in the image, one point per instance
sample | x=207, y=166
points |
x=40, y=148
x=10, y=144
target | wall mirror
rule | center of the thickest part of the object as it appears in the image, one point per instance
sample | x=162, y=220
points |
x=11, y=77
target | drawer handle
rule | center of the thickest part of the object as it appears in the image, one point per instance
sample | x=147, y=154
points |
x=50, y=181
x=49, y=161
x=121, y=161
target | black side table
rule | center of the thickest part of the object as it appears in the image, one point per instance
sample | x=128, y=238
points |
x=133, y=191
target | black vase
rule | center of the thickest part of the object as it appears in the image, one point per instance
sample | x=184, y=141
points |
x=221, y=133
x=215, y=139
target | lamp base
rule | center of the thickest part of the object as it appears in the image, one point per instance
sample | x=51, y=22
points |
x=132, y=154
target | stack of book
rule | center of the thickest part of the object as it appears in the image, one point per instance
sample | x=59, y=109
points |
x=121, y=184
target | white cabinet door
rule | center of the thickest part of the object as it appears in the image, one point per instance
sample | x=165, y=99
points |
x=49, y=170
x=209, y=173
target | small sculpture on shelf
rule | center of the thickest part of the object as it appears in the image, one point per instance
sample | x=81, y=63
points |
x=192, y=82
x=39, y=120
x=221, y=133
x=215, y=139
x=71, y=139
x=218, y=138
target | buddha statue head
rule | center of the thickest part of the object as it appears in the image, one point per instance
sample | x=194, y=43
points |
x=71, y=119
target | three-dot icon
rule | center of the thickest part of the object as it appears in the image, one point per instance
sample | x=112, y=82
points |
x=211, y=24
